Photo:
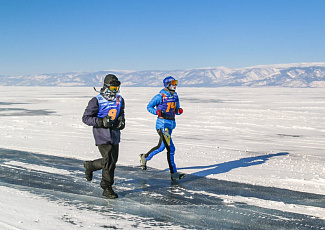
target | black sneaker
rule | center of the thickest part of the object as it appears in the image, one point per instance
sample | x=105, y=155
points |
x=88, y=171
x=143, y=161
x=177, y=176
x=109, y=193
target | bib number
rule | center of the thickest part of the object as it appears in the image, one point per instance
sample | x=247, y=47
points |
x=112, y=113
x=171, y=105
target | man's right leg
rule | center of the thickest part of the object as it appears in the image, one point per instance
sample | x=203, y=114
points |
x=91, y=166
x=102, y=164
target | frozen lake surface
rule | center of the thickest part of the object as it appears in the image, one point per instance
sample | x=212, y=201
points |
x=254, y=159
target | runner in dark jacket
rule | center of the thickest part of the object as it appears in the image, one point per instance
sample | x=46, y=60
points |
x=105, y=113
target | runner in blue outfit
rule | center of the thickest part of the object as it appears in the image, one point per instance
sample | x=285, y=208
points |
x=165, y=105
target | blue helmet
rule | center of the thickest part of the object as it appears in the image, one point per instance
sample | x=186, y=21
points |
x=168, y=80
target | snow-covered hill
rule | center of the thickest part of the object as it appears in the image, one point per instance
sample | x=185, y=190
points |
x=283, y=75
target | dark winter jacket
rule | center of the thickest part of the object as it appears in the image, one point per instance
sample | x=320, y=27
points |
x=101, y=135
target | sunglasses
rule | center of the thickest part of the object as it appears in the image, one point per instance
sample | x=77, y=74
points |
x=174, y=82
x=114, y=89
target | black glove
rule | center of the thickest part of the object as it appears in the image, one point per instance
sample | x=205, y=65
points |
x=120, y=123
x=105, y=122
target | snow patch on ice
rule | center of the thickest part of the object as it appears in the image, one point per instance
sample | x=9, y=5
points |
x=269, y=204
x=14, y=164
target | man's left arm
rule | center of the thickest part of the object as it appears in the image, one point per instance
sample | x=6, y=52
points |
x=121, y=117
x=179, y=110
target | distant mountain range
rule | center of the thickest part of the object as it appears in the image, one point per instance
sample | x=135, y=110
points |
x=282, y=75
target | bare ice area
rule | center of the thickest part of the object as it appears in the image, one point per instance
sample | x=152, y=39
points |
x=254, y=159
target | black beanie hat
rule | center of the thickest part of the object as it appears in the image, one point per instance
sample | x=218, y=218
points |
x=111, y=79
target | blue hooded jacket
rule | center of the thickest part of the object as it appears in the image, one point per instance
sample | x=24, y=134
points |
x=157, y=103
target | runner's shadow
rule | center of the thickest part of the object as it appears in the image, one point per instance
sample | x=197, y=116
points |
x=228, y=166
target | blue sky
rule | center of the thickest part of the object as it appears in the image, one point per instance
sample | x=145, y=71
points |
x=53, y=36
